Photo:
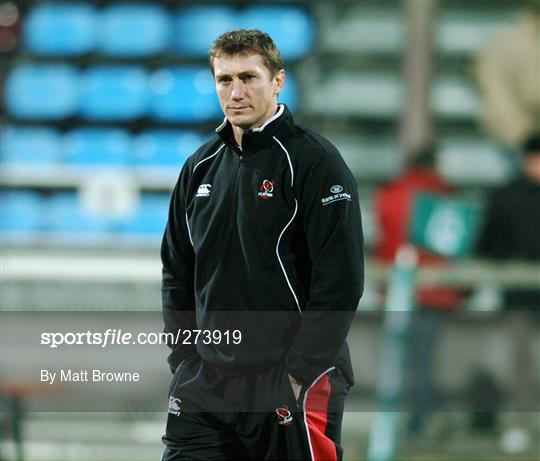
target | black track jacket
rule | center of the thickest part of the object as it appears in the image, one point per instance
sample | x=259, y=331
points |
x=266, y=240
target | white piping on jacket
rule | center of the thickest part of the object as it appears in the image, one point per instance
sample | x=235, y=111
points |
x=208, y=158
x=285, y=228
x=188, y=230
x=271, y=119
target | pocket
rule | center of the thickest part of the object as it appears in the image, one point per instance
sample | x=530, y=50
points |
x=288, y=391
x=181, y=369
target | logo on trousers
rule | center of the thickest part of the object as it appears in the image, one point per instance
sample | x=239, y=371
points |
x=284, y=416
x=174, y=406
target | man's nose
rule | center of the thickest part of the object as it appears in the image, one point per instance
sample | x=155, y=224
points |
x=237, y=90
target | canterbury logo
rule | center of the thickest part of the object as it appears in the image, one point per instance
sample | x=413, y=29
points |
x=174, y=406
x=203, y=190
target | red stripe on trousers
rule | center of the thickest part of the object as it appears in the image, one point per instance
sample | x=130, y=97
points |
x=317, y=418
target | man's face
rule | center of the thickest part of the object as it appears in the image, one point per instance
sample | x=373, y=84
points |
x=247, y=92
x=531, y=166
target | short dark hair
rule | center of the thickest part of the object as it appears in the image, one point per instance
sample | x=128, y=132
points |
x=425, y=157
x=246, y=42
x=532, y=144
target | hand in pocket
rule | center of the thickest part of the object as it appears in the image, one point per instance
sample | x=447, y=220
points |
x=296, y=386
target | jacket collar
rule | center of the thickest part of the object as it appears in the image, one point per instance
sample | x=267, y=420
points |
x=257, y=137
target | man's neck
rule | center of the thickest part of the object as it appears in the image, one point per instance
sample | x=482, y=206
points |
x=238, y=132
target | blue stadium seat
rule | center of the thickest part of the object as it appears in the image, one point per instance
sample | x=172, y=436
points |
x=197, y=27
x=292, y=28
x=60, y=29
x=289, y=94
x=97, y=146
x=151, y=216
x=37, y=146
x=133, y=30
x=114, y=93
x=184, y=94
x=165, y=148
x=22, y=211
x=66, y=215
x=48, y=92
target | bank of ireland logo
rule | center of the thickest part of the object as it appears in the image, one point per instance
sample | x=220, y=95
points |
x=336, y=195
x=203, y=190
x=266, y=189
x=174, y=406
x=284, y=416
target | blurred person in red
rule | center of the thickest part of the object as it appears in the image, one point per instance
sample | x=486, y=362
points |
x=393, y=207
x=507, y=73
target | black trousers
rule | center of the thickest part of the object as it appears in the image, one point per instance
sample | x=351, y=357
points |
x=218, y=415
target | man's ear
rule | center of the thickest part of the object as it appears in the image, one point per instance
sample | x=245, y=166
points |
x=279, y=81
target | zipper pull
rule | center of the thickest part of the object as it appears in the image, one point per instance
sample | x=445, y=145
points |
x=241, y=158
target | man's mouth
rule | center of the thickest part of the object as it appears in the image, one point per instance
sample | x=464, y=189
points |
x=238, y=107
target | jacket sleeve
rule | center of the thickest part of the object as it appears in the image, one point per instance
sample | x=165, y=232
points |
x=177, y=290
x=330, y=216
x=496, y=233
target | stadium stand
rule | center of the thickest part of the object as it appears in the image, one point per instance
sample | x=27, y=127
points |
x=42, y=91
x=454, y=97
x=165, y=148
x=195, y=28
x=30, y=146
x=348, y=87
x=63, y=29
x=87, y=147
x=183, y=94
x=292, y=28
x=465, y=31
x=22, y=212
x=343, y=93
x=362, y=29
x=150, y=217
x=467, y=161
x=113, y=93
x=133, y=30
x=67, y=217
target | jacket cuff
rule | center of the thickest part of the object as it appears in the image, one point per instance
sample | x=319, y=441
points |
x=178, y=355
x=300, y=369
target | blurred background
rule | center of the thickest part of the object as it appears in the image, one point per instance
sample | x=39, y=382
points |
x=102, y=102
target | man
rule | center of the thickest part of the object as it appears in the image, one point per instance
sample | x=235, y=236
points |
x=512, y=226
x=511, y=231
x=263, y=244
x=506, y=72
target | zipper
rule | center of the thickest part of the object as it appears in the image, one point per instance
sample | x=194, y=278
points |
x=234, y=191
